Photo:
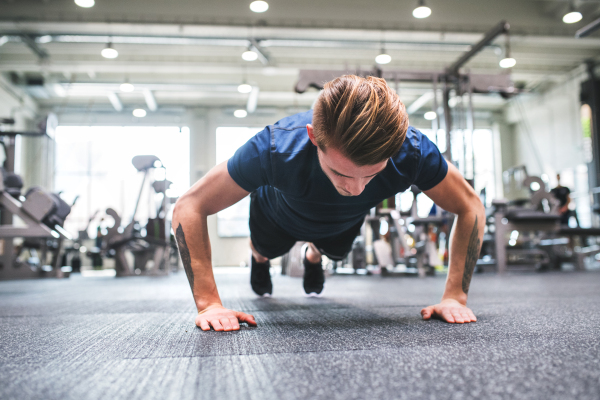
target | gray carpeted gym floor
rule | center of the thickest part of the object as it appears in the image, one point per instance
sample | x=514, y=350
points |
x=538, y=336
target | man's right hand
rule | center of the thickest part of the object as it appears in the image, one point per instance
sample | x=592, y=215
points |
x=222, y=319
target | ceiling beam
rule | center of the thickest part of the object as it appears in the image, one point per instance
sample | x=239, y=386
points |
x=150, y=100
x=115, y=101
x=252, y=100
x=32, y=44
x=420, y=102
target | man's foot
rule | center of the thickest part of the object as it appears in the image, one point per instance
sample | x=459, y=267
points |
x=260, y=278
x=314, y=278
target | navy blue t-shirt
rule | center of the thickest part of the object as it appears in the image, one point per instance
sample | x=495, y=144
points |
x=281, y=164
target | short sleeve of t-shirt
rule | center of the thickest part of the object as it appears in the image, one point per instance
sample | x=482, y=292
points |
x=250, y=166
x=432, y=167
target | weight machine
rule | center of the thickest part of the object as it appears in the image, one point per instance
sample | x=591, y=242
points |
x=156, y=244
x=41, y=217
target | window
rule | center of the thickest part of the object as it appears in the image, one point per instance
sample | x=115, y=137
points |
x=94, y=163
x=233, y=221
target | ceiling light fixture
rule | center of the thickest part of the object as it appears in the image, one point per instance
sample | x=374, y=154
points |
x=244, y=88
x=572, y=17
x=430, y=115
x=507, y=61
x=259, y=6
x=85, y=3
x=240, y=113
x=139, y=113
x=422, y=11
x=109, y=52
x=383, y=58
x=127, y=87
x=249, y=55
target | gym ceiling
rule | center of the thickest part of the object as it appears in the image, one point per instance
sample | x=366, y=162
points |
x=187, y=53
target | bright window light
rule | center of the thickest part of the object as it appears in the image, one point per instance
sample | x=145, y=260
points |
x=422, y=12
x=430, y=115
x=139, y=112
x=259, y=6
x=572, y=17
x=102, y=174
x=126, y=87
x=249, y=55
x=109, y=52
x=85, y=3
x=508, y=62
x=240, y=113
x=244, y=88
x=383, y=59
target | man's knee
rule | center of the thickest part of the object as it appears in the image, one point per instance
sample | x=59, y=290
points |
x=313, y=255
x=257, y=256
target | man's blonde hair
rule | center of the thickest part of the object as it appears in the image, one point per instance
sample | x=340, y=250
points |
x=360, y=117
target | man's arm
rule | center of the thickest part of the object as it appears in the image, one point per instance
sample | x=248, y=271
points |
x=455, y=195
x=211, y=194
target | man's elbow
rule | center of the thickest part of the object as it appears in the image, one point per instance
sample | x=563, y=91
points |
x=184, y=206
x=473, y=205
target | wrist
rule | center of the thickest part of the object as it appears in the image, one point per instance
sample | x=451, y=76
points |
x=205, y=305
x=458, y=297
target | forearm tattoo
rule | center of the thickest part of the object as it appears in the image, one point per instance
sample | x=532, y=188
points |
x=185, y=256
x=471, y=259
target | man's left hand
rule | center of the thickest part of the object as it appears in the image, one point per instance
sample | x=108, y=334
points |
x=449, y=310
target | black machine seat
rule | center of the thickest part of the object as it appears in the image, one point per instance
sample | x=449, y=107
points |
x=579, y=231
x=13, y=184
x=531, y=215
x=48, y=207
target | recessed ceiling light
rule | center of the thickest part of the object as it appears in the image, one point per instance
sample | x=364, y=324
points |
x=240, y=113
x=109, y=52
x=249, y=55
x=259, y=6
x=430, y=115
x=572, y=17
x=126, y=87
x=383, y=58
x=508, y=62
x=422, y=11
x=139, y=112
x=85, y=3
x=244, y=88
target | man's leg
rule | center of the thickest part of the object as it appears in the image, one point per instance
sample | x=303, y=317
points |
x=267, y=241
x=257, y=256
x=314, y=278
x=313, y=255
x=335, y=247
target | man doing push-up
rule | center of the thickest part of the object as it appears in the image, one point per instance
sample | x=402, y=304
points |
x=313, y=177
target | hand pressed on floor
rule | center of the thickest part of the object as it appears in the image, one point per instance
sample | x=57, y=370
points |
x=451, y=311
x=222, y=319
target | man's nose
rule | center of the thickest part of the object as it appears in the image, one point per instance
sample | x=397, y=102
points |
x=357, y=187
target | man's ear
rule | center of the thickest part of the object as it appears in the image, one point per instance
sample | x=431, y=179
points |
x=311, y=134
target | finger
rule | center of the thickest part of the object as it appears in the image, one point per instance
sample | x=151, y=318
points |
x=448, y=316
x=247, y=318
x=234, y=323
x=226, y=324
x=216, y=325
x=465, y=316
x=473, y=317
x=426, y=312
x=457, y=317
x=203, y=324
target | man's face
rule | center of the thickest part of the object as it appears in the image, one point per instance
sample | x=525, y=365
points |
x=348, y=178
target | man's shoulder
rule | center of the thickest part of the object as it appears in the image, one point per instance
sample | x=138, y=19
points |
x=294, y=122
x=411, y=145
x=289, y=134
